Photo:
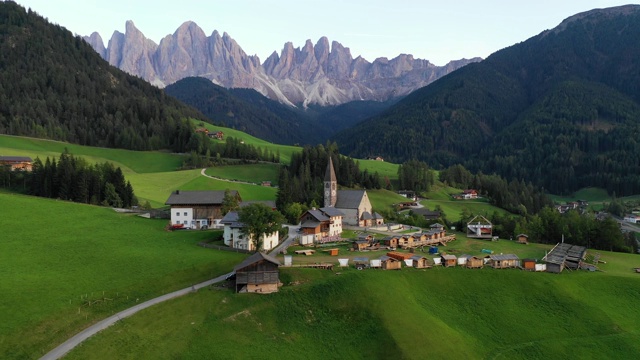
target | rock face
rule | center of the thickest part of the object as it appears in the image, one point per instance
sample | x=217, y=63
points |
x=314, y=74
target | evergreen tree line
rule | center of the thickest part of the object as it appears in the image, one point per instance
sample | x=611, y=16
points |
x=206, y=153
x=72, y=178
x=415, y=175
x=302, y=180
x=514, y=196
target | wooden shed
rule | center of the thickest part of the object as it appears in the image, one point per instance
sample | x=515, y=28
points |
x=420, y=262
x=360, y=245
x=406, y=241
x=389, y=263
x=474, y=262
x=390, y=241
x=522, y=239
x=449, y=260
x=258, y=274
x=529, y=264
x=400, y=256
x=503, y=261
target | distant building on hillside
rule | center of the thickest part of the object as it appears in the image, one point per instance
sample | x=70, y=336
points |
x=20, y=163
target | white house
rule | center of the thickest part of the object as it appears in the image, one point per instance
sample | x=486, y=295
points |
x=235, y=238
x=197, y=209
x=631, y=218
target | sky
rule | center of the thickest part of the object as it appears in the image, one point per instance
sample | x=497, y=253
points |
x=438, y=31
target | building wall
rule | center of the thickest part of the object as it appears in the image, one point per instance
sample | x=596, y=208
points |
x=180, y=215
x=350, y=216
x=262, y=288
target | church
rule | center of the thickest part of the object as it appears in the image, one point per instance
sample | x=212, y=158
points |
x=354, y=204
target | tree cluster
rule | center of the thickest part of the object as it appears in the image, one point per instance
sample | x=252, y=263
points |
x=72, y=178
x=514, y=196
x=302, y=180
x=415, y=175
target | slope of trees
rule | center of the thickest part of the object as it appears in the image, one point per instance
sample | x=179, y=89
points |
x=559, y=110
x=54, y=85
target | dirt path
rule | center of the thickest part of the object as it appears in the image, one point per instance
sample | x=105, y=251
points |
x=202, y=172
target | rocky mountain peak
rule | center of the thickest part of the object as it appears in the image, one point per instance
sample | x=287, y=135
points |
x=324, y=73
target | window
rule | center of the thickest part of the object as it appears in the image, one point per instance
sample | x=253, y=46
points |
x=185, y=213
x=204, y=222
x=177, y=214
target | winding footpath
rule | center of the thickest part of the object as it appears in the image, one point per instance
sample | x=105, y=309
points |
x=68, y=345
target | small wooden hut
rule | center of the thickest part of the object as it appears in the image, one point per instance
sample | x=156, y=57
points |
x=529, y=264
x=389, y=263
x=360, y=245
x=449, y=260
x=474, y=262
x=420, y=262
x=523, y=239
x=390, y=241
x=258, y=274
x=399, y=255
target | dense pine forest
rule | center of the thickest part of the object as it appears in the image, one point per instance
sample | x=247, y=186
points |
x=54, y=85
x=559, y=110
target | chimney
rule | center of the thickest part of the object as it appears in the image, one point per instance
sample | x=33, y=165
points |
x=177, y=192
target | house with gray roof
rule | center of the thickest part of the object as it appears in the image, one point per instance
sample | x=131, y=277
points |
x=322, y=223
x=235, y=237
x=197, y=209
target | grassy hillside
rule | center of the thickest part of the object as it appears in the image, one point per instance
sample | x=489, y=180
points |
x=254, y=173
x=435, y=313
x=441, y=196
x=57, y=257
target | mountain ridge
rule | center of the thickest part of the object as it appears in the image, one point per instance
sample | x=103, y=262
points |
x=324, y=73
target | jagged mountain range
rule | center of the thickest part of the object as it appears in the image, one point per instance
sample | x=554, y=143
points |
x=322, y=74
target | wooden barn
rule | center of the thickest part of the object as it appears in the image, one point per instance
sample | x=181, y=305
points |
x=449, y=260
x=565, y=256
x=503, y=261
x=258, y=274
x=529, y=264
x=523, y=239
x=420, y=262
x=474, y=262
x=389, y=263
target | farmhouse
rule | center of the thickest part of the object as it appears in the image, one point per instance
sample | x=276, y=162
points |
x=219, y=135
x=468, y=194
x=503, y=261
x=258, y=274
x=20, y=163
x=235, y=237
x=409, y=194
x=354, y=204
x=322, y=223
x=427, y=214
x=632, y=218
x=197, y=209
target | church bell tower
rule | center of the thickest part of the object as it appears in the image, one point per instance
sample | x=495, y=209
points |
x=330, y=185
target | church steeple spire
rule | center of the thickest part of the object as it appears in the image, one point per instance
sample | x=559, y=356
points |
x=330, y=185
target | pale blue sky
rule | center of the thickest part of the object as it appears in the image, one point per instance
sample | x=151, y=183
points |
x=438, y=31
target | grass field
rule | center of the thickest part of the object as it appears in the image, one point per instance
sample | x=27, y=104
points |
x=56, y=257
x=254, y=173
x=412, y=314
x=453, y=208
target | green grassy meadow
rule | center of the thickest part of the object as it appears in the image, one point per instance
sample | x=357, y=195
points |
x=253, y=173
x=453, y=208
x=406, y=314
x=57, y=256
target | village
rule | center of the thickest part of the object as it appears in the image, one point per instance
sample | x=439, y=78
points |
x=375, y=244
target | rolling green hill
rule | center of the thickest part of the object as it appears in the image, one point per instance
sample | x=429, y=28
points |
x=72, y=254
x=560, y=109
x=407, y=314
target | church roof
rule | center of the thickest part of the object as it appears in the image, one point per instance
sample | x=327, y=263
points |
x=349, y=199
x=330, y=174
x=366, y=216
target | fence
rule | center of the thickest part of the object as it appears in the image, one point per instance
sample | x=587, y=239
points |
x=224, y=248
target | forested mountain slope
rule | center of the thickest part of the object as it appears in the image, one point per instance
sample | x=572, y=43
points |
x=561, y=109
x=54, y=85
